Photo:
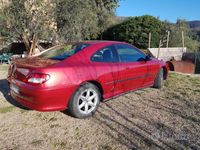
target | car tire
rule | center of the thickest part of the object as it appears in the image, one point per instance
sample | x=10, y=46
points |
x=85, y=101
x=158, y=82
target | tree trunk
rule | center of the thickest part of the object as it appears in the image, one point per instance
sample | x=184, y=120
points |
x=26, y=42
x=40, y=47
x=33, y=45
x=101, y=37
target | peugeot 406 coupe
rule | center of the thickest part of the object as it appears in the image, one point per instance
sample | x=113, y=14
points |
x=79, y=76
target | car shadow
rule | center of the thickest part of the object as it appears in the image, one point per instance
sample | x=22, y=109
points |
x=5, y=90
x=128, y=136
x=124, y=122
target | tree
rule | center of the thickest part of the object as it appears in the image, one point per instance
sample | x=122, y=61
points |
x=78, y=19
x=105, y=14
x=3, y=31
x=135, y=30
x=196, y=35
x=31, y=21
x=176, y=36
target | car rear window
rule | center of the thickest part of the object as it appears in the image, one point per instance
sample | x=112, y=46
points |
x=64, y=52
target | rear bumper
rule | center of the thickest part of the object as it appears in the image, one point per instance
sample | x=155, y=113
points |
x=41, y=99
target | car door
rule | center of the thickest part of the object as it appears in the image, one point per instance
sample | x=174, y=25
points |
x=151, y=72
x=105, y=62
x=133, y=67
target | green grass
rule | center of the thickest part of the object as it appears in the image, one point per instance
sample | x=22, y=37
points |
x=182, y=86
x=179, y=81
x=6, y=109
x=195, y=80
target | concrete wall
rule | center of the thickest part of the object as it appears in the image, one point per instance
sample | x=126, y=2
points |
x=168, y=53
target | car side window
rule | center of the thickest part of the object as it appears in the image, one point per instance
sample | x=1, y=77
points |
x=128, y=53
x=107, y=54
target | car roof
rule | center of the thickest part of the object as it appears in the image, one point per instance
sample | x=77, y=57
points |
x=102, y=41
x=91, y=42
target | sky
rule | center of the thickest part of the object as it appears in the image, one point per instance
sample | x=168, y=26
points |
x=164, y=9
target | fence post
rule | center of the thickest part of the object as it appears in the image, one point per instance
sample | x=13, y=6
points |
x=159, y=49
x=149, y=39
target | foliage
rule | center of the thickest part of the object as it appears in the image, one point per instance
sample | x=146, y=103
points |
x=28, y=21
x=176, y=35
x=62, y=21
x=196, y=35
x=80, y=24
x=135, y=30
x=87, y=18
x=2, y=31
x=55, y=20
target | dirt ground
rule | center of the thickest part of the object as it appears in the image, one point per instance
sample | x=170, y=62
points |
x=144, y=119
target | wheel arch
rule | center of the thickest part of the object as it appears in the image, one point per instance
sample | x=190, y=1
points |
x=72, y=109
x=170, y=65
x=96, y=83
x=165, y=72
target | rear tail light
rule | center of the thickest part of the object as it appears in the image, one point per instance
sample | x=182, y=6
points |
x=37, y=78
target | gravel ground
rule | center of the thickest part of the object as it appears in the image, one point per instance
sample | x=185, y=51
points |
x=144, y=119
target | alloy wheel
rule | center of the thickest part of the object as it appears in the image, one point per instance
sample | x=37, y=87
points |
x=87, y=101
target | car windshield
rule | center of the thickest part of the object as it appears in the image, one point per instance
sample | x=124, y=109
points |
x=64, y=52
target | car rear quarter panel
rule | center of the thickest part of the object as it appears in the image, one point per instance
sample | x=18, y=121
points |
x=163, y=64
x=83, y=70
x=61, y=85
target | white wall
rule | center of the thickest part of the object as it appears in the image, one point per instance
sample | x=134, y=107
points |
x=168, y=53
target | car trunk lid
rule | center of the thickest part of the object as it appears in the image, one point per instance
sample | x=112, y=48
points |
x=20, y=68
x=34, y=62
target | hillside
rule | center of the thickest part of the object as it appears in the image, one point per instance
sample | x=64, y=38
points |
x=194, y=25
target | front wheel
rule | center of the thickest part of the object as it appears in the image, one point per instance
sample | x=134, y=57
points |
x=158, y=82
x=85, y=101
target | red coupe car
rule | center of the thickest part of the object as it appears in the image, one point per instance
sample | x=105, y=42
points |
x=79, y=76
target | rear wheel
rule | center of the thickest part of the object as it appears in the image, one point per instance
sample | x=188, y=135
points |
x=85, y=101
x=158, y=83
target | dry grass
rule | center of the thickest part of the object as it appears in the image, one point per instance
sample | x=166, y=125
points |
x=144, y=119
